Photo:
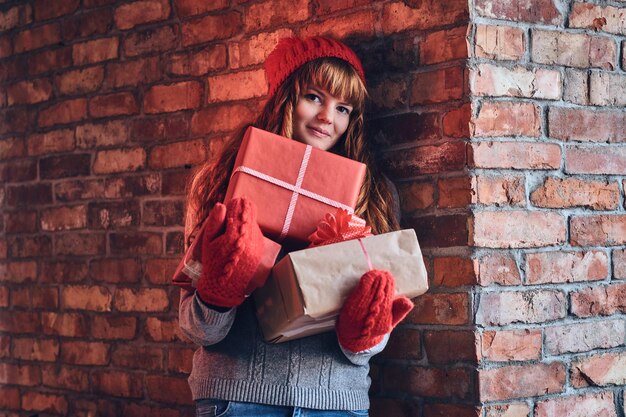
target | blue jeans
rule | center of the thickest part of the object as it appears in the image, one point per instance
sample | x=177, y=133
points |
x=219, y=408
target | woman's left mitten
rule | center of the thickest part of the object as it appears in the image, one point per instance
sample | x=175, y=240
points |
x=370, y=312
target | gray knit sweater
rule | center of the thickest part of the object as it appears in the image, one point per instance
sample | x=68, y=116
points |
x=234, y=363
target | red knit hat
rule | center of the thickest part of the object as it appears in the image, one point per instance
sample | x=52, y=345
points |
x=291, y=53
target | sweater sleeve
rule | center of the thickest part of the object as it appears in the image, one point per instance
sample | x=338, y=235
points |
x=362, y=358
x=200, y=323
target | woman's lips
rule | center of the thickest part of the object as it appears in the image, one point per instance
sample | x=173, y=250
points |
x=318, y=132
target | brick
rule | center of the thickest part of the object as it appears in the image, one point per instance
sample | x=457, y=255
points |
x=64, y=324
x=399, y=16
x=572, y=49
x=28, y=246
x=619, y=264
x=129, y=15
x=19, y=322
x=272, y=13
x=444, y=46
x=113, y=327
x=6, y=48
x=115, y=215
x=443, y=410
x=28, y=349
x=16, y=120
x=456, y=122
x=576, y=86
x=48, y=10
x=447, y=347
x=403, y=344
x=507, y=119
x=185, y=8
x=455, y=192
x=29, y=92
x=63, y=112
x=575, y=124
x=13, y=68
x=533, y=11
x=115, y=270
x=500, y=191
x=96, y=3
x=163, y=213
x=87, y=23
x=507, y=410
x=50, y=142
x=85, y=353
x=127, y=187
x=63, y=271
x=599, y=301
x=37, y=37
x=178, y=154
x=80, y=81
x=415, y=196
x=174, y=97
x=518, y=229
x=12, y=148
x=531, y=306
x=607, y=89
x=159, y=39
x=210, y=28
x=78, y=244
x=516, y=155
x=24, y=375
x=355, y=25
x=444, y=308
x=599, y=370
x=81, y=297
x=168, y=390
x=595, y=160
x=497, y=268
x=583, y=337
x=143, y=300
x=28, y=195
x=174, y=243
x=592, y=404
x=36, y=298
x=78, y=190
x=98, y=50
x=560, y=267
x=65, y=378
x=119, y=160
x=440, y=231
x=429, y=159
x=113, y=105
x=159, y=330
x=64, y=166
x=136, y=243
x=9, y=398
x=105, y=134
x=138, y=357
x=48, y=60
x=130, y=409
x=499, y=42
x=161, y=128
x=598, y=230
x=64, y=218
x=521, y=381
x=428, y=382
x=574, y=192
x=160, y=271
x=237, y=86
x=253, y=50
x=15, y=16
x=18, y=272
x=406, y=128
x=437, y=86
x=179, y=360
x=492, y=80
x=451, y=271
x=511, y=345
x=598, y=17
x=197, y=63
x=51, y=403
x=389, y=93
x=132, y=73
x=119, y=384
x=221, y=118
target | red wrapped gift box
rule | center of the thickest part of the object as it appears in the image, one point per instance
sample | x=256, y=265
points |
x=292, y=184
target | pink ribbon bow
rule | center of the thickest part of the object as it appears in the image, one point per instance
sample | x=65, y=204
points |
x=339, y=227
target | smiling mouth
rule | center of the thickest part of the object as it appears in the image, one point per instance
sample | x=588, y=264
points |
x=318, y=132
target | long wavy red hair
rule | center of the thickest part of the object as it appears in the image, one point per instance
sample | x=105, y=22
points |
x=376, y=201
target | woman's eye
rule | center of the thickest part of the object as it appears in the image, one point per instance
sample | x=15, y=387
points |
x=343, y=110
x=312, y=97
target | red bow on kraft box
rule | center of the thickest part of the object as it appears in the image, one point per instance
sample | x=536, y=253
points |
x=339, y=227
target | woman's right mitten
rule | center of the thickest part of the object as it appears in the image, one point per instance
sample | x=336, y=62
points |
x=230, y=259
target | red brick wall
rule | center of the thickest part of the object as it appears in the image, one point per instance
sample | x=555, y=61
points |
x=503, y=134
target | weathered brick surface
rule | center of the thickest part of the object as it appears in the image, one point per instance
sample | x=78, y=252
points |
x=558, y=267
x=159, y=39
x=607, y=89
x=500, y=190
x=491, y=80
x=518, y=229
x=582, y=125
x=497, y=268
x=583, y=337
x=535, y=11
x=599, y=370
x=595, y=160
x=599, y=301
x=499, y=42
x=599, y=404
x=599, y=17
x=521, y=381
x=573, y=49
x=598, y=230
x=532, y=306
x=511, y=345
x=507, y=119
x=130, y=15
x=170, y=98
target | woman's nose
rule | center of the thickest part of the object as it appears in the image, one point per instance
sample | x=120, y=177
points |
x=325, y=114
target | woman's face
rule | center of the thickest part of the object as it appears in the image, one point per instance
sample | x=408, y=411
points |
x=320, y=119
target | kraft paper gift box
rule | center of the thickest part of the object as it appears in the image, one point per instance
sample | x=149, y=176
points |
x=292, y=184
x=307, y=288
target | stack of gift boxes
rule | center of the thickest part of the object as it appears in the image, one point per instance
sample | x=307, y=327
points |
x=299, y=190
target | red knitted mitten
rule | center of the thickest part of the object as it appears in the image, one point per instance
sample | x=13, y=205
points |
x=230, y=259
x=370, y=312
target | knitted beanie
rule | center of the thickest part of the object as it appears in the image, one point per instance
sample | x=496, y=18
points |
x=291, y=53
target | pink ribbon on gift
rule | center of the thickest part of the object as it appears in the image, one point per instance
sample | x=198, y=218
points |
x=296, y=189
